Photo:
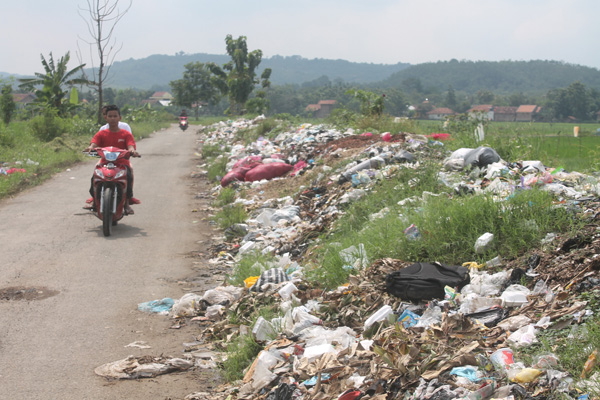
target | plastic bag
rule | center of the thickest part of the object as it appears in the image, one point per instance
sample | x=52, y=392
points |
x=187, y=306
x=379, y=315
x=484, y=243
x=523, y=336
x=157, y=306
x=515, y=296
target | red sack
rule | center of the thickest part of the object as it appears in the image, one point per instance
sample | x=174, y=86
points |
x=247, y=162
x=440, y=136
x=267, y=171
x=236, y=174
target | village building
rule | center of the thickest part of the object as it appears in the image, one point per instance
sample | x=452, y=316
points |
x=23, y=99
x=505, y=114
x=322, y=109
x=440, y=113
x=485, y=111
x=527, y=113
x=161, y=98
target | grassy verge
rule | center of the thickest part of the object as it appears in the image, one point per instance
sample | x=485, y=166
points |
x=21, y=147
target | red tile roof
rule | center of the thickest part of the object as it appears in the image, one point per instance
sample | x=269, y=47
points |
x=441, y=110
x=528, y=108
x=505, y=110
x=482, y=107
x=327, y=101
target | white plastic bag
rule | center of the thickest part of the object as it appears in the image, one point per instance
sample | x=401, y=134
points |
x=515, y=296
x=484, y=243
x=379, y=315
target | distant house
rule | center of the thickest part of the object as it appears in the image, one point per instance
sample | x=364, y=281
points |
x=439, y=113
x=527, y=113
x=484, y=110
x=162, y=98
x=505, y=114
x=322, y=109
x=22, y=99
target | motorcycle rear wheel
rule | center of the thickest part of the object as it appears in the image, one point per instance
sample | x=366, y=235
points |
x=107, y=215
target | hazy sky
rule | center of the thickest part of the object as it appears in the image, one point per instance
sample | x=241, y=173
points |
x=374, y=31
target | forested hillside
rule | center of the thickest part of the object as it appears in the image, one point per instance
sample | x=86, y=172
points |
x=503, y=77
x=158, y=70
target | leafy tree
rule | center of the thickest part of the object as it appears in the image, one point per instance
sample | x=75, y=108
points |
x=574, y=101
x=451, y=101
x=7, y=104
x=241, y=73
x=579, y=98
x=371, y=104
x=199, y=84
x=485, y=97
x=258, y=104
x=53, y=81
x=517, y=99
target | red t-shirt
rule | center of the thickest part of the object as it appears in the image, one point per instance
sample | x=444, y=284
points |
x=121, y=139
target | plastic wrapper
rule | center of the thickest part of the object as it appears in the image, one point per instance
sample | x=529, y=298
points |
x=484, y=243
x=515, y=296
x=523, y=336
x=379, y=315
x=187, y=306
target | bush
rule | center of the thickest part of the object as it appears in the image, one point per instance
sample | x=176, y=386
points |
x=82, y=127
x=48, y=125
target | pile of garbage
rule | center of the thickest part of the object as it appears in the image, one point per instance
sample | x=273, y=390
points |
x=397, y=329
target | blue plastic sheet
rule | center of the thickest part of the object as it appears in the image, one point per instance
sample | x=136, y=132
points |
x=157, y=306
x=468, y=372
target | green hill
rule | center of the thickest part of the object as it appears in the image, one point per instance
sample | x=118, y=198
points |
x=502, y=77
x=156, y=71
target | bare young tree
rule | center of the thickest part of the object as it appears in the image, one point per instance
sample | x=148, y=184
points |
x=101, y=17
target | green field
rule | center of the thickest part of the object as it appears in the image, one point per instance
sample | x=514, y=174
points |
x=552, y=143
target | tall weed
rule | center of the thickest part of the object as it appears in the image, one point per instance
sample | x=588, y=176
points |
x=229, y=215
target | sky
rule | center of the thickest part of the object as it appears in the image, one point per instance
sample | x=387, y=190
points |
x=371, y=31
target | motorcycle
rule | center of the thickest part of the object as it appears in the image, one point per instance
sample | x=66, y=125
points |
x=109, y=186
x=183, y=123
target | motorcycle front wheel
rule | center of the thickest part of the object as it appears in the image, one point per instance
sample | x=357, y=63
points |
x=107, y=215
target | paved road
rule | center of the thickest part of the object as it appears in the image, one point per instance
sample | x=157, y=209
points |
x=49, y=347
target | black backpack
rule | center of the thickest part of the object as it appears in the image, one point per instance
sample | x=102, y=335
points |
x=424, y=281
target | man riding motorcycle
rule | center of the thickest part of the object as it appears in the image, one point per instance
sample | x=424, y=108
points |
x=114, y=136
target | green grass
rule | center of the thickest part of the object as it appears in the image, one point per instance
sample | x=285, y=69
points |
x=217, y=169
x=240, y=354
x=20, y=143
x=449, y=228
x=251, y=264
x=552, y=143
x=226, y=196
x=229, y=215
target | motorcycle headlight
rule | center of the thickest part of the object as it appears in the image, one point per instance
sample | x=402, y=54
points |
x=120, y=174
x=99, y=173
x=111, y=155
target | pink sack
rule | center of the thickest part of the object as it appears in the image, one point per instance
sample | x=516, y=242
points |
x=298, y=167
x=386, y=137
x=247, y=162
x=267, y=171
x=236, y=174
